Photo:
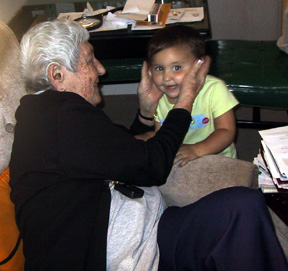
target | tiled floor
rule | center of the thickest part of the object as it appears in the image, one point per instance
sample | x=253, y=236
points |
x=122, y=110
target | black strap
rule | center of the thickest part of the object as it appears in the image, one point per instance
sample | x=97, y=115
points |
x=12, y=252
x=144, y=117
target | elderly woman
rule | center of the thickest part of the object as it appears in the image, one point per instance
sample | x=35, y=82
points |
x=66, y=149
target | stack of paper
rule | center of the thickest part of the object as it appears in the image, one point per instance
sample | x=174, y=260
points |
x=272, y=160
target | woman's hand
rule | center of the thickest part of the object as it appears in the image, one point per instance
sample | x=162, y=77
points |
x=193, y=83
x=148, y=94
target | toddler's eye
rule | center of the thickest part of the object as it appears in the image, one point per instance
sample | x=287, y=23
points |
x=177, y=68
x=158, y=69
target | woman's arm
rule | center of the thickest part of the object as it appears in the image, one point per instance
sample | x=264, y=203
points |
x=90, y=146
x=102, y=150
x=149, y=95
x=221, y=138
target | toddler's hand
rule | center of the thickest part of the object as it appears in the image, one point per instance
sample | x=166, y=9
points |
x=186, y=153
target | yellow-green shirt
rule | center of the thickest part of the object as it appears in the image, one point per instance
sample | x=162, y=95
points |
x=213, y=100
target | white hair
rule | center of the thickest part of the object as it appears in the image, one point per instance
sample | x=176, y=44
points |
x=46, y=43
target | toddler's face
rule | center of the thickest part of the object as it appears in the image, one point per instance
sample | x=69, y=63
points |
x=168, y=68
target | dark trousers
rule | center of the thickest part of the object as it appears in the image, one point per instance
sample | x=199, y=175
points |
x=228, y=230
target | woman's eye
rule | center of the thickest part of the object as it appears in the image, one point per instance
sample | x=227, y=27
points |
x=177, y=68
x=90, y=61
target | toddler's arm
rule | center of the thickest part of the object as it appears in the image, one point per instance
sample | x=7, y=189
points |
x=221, y=138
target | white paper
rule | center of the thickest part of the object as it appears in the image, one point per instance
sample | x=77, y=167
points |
x=112, y=22
x=138, y=6
x=133, y=16
x=270, y=162
x=265, y=181
x=276, y=140
x=89, y=10
x=146, y=27
x=190, y=15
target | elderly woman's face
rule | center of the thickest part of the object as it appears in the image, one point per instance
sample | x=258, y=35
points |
x=85, y=80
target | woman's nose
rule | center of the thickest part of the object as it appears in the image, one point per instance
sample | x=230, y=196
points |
x=100, y=68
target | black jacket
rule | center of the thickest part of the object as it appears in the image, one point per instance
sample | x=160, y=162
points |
x=64, y=149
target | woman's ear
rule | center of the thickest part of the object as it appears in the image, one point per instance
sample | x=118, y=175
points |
x=55, y=74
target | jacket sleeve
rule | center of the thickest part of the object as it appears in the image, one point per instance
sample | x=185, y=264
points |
x=92, y=147
x=138, y=127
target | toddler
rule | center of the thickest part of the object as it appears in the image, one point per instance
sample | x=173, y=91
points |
x=171, y=52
